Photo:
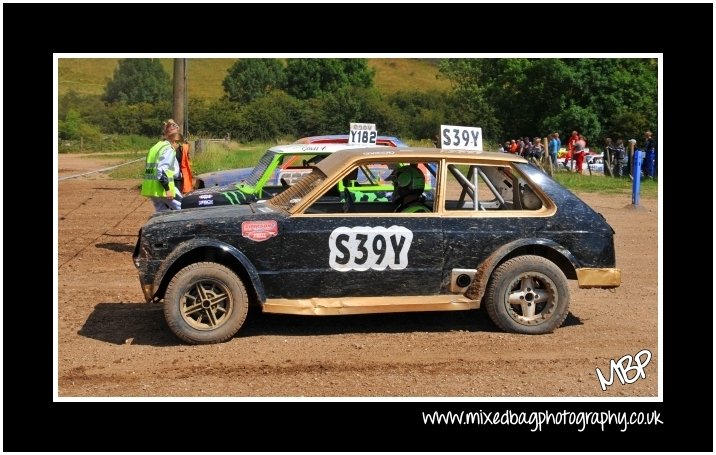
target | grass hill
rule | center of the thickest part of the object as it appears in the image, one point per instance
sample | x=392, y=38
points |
x=90, y=75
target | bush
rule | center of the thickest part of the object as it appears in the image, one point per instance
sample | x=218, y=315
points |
x=215, y=119
x=333, y=112
x=266, y=118
x=270, y=117
x=422, y=112
x=88, y=106
x=70, y=125
x=74, y=128
x=143, y=118
x=119, y=118
x=91, y=109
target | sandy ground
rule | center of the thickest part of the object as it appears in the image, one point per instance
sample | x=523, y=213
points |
x=75, y=164
x=113, y=344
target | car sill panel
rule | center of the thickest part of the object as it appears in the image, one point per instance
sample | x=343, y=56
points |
x=332, y=306
x=599, y=278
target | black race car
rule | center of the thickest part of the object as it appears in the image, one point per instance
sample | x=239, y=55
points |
x=498, y=233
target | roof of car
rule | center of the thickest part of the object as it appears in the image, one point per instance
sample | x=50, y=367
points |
x=317, y=148
x=344, y=138
x=336, y=161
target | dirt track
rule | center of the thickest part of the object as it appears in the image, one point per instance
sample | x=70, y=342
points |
x=113, y=344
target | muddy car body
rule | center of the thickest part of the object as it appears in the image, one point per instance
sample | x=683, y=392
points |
x=499, y=234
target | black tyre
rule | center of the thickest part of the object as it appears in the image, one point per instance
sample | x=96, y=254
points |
x=527, y=294
x=205, y=303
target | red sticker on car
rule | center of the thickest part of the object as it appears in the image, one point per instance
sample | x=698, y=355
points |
x=258, y=231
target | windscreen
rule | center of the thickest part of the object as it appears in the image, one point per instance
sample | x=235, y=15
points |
x=260, y=168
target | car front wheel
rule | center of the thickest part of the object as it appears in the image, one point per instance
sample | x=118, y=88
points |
x=205, y=303
x=527, y=294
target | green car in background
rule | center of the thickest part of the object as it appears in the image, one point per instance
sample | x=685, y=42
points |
x=282, y=166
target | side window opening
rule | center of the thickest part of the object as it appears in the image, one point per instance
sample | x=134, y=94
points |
x=488, y=188
x=291, y=168
x=381, y=187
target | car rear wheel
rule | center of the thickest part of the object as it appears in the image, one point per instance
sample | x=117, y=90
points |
x=205, y=303
x=527, y=294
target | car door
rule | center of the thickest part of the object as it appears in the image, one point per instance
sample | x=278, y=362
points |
x=508, y=209
x=356, y=255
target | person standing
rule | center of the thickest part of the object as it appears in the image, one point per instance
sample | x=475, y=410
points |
x=161, y=169
x=649, y=155
x=608, y=158
x=570, y=149
x=525, y=153
x=579, y=152
x=553, y=147
x=436, y=141
x=537, y=148
x=618, y=153
x=185, y=182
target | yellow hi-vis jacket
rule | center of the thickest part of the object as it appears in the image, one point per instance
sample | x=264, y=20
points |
x=152, y=186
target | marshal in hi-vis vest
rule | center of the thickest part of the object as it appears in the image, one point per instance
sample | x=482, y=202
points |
x=151, y=186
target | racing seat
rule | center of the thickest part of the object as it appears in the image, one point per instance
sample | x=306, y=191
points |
x=413, y=207
x=528, y=199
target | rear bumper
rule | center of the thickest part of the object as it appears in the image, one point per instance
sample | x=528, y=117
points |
x=599, y=278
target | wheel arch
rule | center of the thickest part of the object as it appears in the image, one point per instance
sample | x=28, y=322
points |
x=545, y=248
x=208, y=250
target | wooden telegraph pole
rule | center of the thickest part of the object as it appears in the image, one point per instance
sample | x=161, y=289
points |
x=179, y=106
x=546, y=156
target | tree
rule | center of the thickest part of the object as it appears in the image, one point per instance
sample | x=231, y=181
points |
x=312, y=77
x=333, y=112
x=138, y=80
x=472, y=107
x=252, y=78
x=628, y=125
x=424, y=111
x=575, y=118
x=533, y=97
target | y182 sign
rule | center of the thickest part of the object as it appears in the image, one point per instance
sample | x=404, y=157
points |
x=363, y=134
x=461, y=137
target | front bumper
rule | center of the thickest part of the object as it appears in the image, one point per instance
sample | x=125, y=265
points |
x=148, y=290
x=606, y=278
x=141, y=264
